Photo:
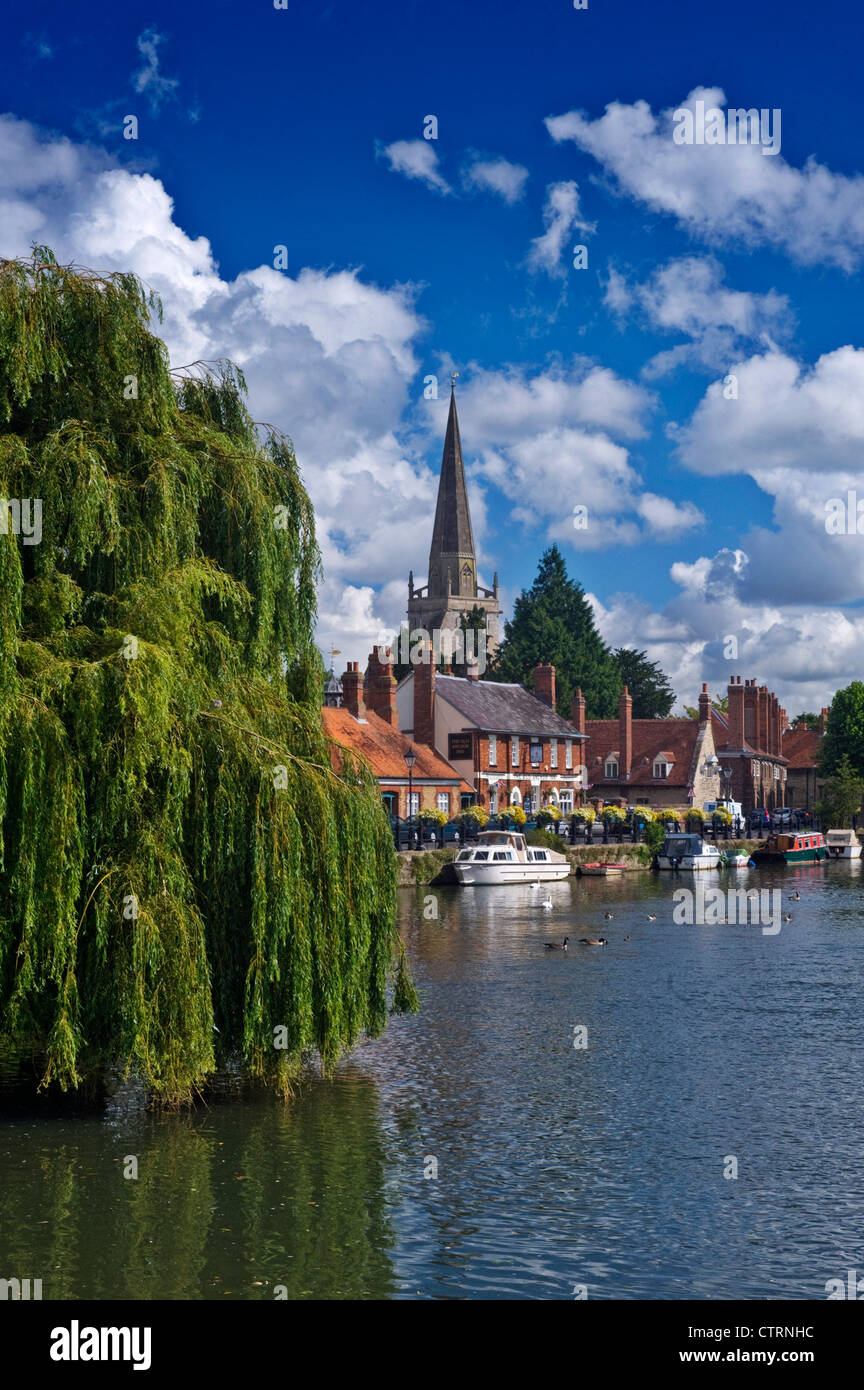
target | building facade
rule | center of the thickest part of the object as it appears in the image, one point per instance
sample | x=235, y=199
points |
x=749, y=743
x=651, y=762
x=802, y=750
x=506, y=741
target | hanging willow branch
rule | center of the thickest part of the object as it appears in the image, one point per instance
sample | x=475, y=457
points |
x=176, y=889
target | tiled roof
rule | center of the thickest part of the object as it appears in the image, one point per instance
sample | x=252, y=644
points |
x=675, y=739
x=502, y=708
x=720, y=724
x=384, y=748
x=801, y=747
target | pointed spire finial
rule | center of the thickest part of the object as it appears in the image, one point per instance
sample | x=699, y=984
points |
x=453, y=376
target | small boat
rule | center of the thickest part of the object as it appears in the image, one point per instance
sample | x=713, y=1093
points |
x=601, y=870
x=737, y=861
x=843, y=844
x=502, y=856
x=801, y=847
x=687, y=852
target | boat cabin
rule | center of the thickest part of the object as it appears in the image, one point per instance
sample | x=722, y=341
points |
x=682, y=846
x=841, y=839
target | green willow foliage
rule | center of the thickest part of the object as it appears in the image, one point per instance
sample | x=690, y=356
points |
x=181, y=872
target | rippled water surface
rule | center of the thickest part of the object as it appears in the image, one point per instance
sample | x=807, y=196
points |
x=556, y=1166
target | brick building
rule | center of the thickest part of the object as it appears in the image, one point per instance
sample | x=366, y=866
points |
x=802, y=749
x=651, y=762
x=748, y=739
x=367, y=723
x=508, y=742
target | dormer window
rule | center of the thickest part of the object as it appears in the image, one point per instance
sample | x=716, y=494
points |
x=611, y=766
x=661, y=768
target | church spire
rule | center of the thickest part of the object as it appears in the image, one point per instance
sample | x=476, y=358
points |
x=452, y=539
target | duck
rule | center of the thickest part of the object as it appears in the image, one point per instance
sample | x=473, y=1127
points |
x=652, y=916
x=626, y=938
x=546, y=904
x=796, y=897
x=555, y=945
x=593, y=941
x=608, y=916
x=787, y=917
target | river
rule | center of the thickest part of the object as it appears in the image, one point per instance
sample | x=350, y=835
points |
x=474, y=1152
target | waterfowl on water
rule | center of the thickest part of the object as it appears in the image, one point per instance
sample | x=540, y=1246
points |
x=608, y=916
x=556, y=946
x=593, y=941
x=546, y=904
x=796, y=897
x=787, y=917
x=626, y=938
x=652, y=916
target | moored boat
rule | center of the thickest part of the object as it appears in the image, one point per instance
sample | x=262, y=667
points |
x=795, y=847
x=843, y=844
x=601, y=870
x=687, y=852
x=502, y=856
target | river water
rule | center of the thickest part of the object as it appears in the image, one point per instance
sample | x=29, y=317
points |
x=606, y=1168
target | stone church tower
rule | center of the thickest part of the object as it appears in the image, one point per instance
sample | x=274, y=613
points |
x=452, y=588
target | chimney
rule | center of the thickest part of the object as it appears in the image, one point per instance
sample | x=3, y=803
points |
x=823, y=720
x=625, y=732
x=352, y=691
x=762, y=717
x=704, y=705
x=380, y=687
x=544, y=684
x=577, y=715
x=735, y=713
x=424, y=700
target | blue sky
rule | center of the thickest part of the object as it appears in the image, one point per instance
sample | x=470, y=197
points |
x=406, y=257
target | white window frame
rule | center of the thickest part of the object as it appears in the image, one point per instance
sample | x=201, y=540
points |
x=412, y=801
x=493, y=750
x=443, y=797
x=568, y=753
x=611, y=763
x=553, y=752
x=662, y=764
x=565, y=801
x=514, y=750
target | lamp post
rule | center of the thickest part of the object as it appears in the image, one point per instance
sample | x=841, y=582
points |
x=410, y=760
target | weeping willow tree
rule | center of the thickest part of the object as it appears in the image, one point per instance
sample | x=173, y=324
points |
x=183, y=878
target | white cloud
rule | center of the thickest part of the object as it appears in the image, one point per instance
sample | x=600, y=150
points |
x=561, y=217
x=724, y=193
x=416, y=159
x=687, y=296
x=495, y=175
x=148, y=79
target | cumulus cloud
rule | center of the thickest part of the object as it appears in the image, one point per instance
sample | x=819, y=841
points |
x=727, y=193
x=561, y=217
x=687, y=296
x=416, y=159
x=554, y=438
x=495, y=175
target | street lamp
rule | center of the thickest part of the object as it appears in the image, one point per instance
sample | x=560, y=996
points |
x=410, y=760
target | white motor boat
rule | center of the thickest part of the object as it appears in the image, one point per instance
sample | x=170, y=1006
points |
x=687, y=852
x=843, y=844
x=502, y=856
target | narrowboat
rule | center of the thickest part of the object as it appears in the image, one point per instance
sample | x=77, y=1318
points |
x=687, y=852
x=843, y=844
x=793, y=847
x=502, y=856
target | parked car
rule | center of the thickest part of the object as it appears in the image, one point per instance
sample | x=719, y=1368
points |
x=780, y=816
x=758, y=818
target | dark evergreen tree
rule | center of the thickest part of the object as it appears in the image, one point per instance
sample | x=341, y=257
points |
x=553, y=622
x=653, y=696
